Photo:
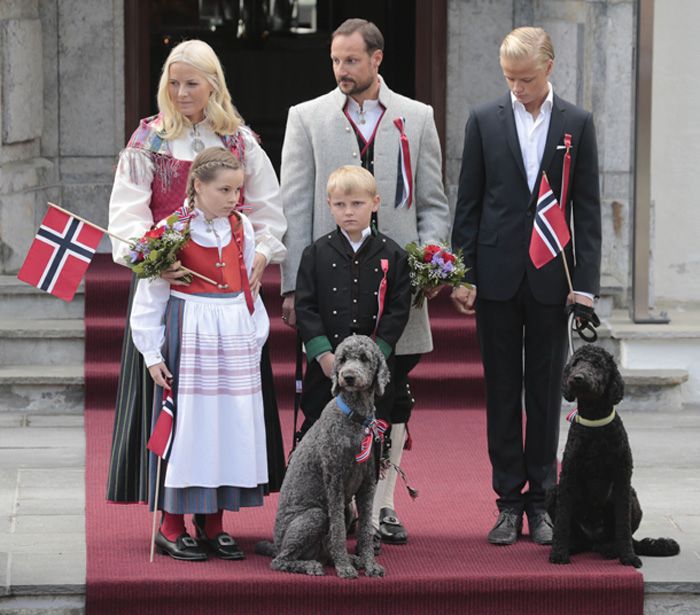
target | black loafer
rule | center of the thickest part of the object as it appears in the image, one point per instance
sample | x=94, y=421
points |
x=541, y=528
x=222, y=545
x=390, y=528
x=508, y=527
x=184, y=547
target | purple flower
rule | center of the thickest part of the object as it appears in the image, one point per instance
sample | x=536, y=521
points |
x=179, y=226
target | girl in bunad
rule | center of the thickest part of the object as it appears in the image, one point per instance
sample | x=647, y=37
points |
x=195, y=111
x=202, y=343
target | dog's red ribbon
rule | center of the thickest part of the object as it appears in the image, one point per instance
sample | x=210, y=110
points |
x=375, y=431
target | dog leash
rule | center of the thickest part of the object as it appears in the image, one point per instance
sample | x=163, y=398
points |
x=298, y=379
x=583, y=320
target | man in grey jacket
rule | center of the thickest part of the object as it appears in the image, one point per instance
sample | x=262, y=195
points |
x=363, y=122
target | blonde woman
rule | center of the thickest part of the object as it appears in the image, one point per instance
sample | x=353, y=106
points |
x=195, y=112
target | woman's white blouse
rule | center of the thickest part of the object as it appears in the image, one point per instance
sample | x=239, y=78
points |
x=130, y=216
x=151, y=297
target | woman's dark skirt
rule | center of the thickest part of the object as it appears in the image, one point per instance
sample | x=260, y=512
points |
x=128, y=467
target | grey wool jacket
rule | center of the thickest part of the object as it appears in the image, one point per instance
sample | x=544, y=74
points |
x=319, y=139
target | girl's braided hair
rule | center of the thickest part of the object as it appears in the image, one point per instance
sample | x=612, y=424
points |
x=206, y=165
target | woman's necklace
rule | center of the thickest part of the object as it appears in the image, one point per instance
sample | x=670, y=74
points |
x=197, y=144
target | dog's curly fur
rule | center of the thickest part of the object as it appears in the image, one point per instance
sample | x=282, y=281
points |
x=323, y=476
x=594, y=507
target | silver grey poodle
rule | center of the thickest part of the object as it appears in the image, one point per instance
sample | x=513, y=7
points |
x=323, y=474
x=595, y=507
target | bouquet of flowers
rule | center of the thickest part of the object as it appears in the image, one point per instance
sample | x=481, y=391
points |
x=157, y=249
x=431, y=266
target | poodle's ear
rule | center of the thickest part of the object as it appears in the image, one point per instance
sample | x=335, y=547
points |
x=335, y=389
x=616, y=386
x=382, y=377
x=565, y=388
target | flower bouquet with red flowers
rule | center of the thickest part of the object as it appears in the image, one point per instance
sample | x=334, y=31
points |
x=157, y=249
x=431, y=266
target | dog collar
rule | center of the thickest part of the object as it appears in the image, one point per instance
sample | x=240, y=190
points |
x=351, y=414
x=575, y=417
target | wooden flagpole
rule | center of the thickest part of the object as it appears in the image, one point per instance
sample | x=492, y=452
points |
x=155, y=509
x=106, y=232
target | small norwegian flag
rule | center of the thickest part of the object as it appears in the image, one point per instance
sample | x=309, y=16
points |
x=162, y=436
x=60, y=254
x=550, y=233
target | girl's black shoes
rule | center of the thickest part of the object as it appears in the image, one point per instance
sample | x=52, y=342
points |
x=184, y=547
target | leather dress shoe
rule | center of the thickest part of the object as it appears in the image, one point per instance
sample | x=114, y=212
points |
x=222, y=545
x=541, y=528
x=390, y=528
x=184, y=547
x=508, y=527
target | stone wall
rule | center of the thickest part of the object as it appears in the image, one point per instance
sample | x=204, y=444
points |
x=675, y=140
x=594, y=46
x=62, y=117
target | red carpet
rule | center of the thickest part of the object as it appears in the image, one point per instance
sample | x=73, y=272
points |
x=446, y=568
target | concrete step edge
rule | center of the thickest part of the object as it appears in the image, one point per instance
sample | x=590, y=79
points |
x=42, y=375
x=40, y=328
x=654, y=377
x=10, y=285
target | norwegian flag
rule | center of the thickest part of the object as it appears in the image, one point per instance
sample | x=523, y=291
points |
x=162, y=436
x=550, y=233
x=60, y=254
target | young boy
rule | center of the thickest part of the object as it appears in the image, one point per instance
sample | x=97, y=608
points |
x=351, y=281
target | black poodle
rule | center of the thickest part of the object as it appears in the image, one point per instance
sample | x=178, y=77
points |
x=594, y=507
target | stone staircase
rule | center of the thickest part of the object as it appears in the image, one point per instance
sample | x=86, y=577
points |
x=41, y=350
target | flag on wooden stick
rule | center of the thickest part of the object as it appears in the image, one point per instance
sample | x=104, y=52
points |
x=60, y=254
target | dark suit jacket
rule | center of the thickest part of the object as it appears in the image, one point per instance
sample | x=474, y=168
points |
x=495, y=209
x=337, y=292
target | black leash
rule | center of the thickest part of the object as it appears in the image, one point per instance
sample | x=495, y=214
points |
x=583, y=320
x=298, y=379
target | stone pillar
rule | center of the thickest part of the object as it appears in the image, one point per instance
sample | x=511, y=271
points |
x=594, y=44
x=62, y=113
x=24, y=173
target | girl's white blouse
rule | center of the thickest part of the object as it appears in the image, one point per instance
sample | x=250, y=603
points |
x=151, y=297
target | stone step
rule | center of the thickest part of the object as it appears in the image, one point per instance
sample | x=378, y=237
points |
x=42, y=389
x=20, y=300
x=41, y=342
x=655, y=390
x=672, y=346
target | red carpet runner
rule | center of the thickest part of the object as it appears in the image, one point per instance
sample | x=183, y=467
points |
x=447, y=567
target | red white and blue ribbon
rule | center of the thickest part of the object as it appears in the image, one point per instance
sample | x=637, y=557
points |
x=381, y=294
x=404, y=176
x=375, y=430
x=565, y=172
x=185, y=213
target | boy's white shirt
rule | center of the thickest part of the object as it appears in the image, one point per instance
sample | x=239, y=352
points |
x=130, y=216
x=355, y=245
x=151, y=297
